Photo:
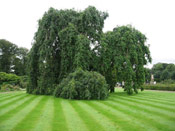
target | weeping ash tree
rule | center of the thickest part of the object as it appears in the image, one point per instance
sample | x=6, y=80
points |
x=63, y=43
x=67, y=40
x=122, y=56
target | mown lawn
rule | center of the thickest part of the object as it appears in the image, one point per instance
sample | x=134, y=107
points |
x=148, y=110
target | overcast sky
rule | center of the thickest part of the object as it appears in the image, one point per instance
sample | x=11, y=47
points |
x=154, y=18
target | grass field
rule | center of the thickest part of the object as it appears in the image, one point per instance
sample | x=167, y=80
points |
x=149, y=110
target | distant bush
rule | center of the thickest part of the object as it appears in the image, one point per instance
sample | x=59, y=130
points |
x=9, y=87
x=16, y=88
x=82, y=85
x=168, y=81
x=6, y=78
x=165, y=87
x=11, y=82
x=6, y=87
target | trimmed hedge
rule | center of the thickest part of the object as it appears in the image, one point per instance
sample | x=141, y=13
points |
x=164, y=87
x=82, y=85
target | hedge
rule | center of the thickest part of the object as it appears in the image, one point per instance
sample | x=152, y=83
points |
x=164, y=87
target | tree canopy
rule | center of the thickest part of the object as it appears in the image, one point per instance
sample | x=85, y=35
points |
x=123, y=54
x=163, y=71
x=62, y=44
x=12, y=58
x=69, y=39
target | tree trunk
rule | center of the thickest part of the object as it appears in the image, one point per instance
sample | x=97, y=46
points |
x=111, y=89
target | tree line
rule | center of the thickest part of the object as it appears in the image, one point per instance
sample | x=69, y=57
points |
x=162, y=72
x=13, y=59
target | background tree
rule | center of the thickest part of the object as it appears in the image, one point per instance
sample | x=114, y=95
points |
x=12, y=58
x=163, y=71
x=147, y=75
x=20, y=61
x=7, y=53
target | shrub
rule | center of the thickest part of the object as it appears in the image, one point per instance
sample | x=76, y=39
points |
x=9, y=87
x=16, y=88
x=6, y=78
x=168, y=81
x=6, y=87
x=165, y=87
x=82, y=85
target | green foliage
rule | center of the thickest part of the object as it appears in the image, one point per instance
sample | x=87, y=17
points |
x=68, y=39
x=124, y=52
x=23, y=83
x=168, y=81
x=20, y=61
x=12, y=58
x=163, y=71
x=62, y=44
x=82, y=85
x=7, y=52
x=9, y=87
x=9, y=78
x=165, y=87
x=6, y=87
x=147, y=75
x=12, y=82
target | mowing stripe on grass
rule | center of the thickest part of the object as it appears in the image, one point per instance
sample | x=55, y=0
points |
x=158, y=104
x=143, y=111
x=74, y=122
x=154, y=100
x=90, y=122
x=59, y=121
x=31, y=119
x=12, y=101
x=2, y=94
x=160, y=93
x=137, y=114
x=149, y=103
x=155, y=95
x=169, y=100
x=165, y=99
x=18, y=117
x=146, y=96
x=9, y=98
x=12, y=109
x=161, y=97
x=45, y=121
x=119, y=117
x=104, y=121
x=150, y=107
x=149, y=119
x=9, y=95
x=165, y=120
